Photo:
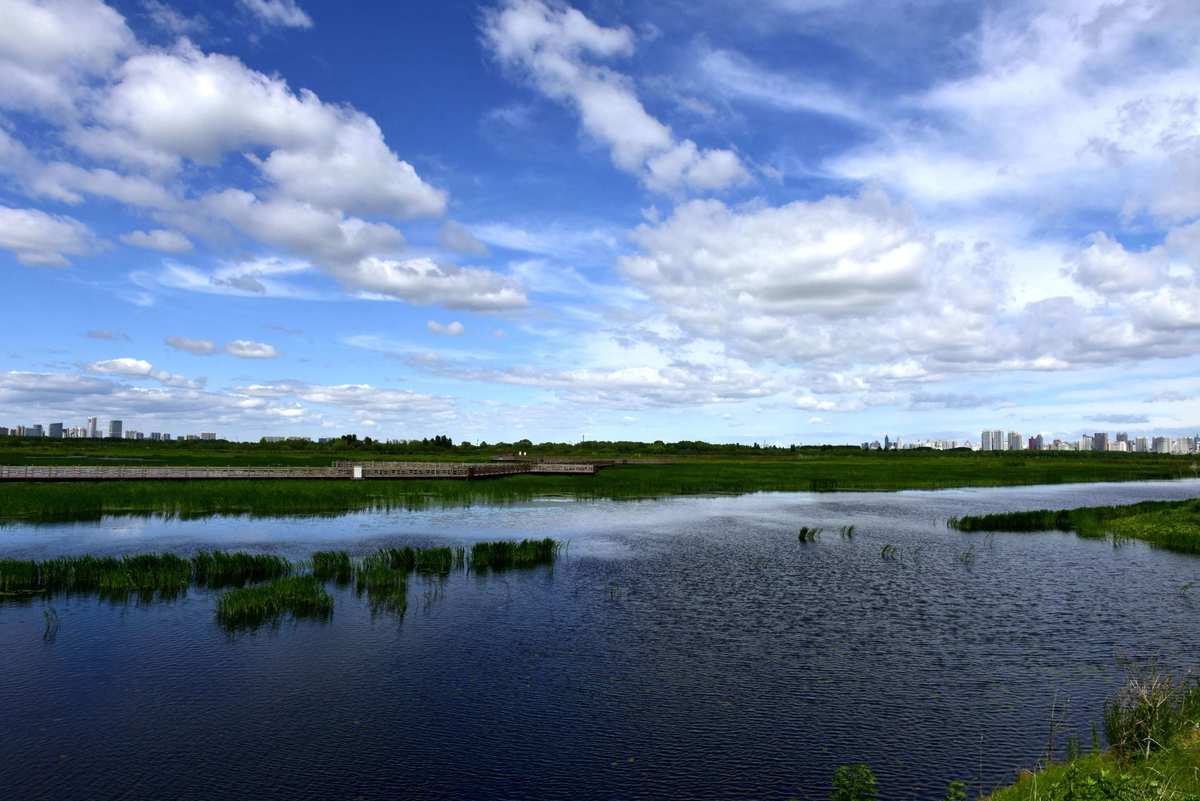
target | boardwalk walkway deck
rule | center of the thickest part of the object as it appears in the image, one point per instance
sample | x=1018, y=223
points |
x=339, y=470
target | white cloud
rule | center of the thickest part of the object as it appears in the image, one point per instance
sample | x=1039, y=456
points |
x=452, y=329
x=41, y=239
x=184, y=103
x=248, y=349
x=172, y=21
x=424, y=281
x=123, y=366
x=284, y=13
x=140, y=368
x=197, y=347
x=556, y=48
x=158, y=239
x=49, y=49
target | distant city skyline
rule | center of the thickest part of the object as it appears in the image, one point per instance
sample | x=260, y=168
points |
x=775, y=222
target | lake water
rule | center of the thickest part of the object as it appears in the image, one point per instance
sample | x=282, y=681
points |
x=687, y=648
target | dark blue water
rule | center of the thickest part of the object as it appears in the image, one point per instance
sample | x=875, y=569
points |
x=682, y=649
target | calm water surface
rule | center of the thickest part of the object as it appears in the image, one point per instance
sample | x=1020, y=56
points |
x=687, y=648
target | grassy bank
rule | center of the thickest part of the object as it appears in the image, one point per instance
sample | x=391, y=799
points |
x=1153, y=730
x=817, y=471
x=1174, y=525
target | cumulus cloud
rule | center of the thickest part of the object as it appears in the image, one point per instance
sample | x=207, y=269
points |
x=751, y=275
x=559, y=50
x=196, y=347
x=452, y=329
x=284, y=13
x=49, y=50
x=159, y=239
x=40, y=239
x=140, y=368
x=248, y=349
x=424, y=281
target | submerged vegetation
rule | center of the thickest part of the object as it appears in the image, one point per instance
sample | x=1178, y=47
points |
x=803, y=469
x=266, y=588
x=809, y=534
x=1173, y=525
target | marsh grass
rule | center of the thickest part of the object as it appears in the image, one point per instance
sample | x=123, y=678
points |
x=296, y=597
x=804, y=471
x=847, y=532
x=809, y=534
x=503, y=555
x=333, y=565
x=383, y=582
x=147, y=575
x=889, y=553
x=1172, y=525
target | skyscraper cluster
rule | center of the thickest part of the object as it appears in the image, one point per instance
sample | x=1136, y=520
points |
x=1100, y=441
x=92, y=430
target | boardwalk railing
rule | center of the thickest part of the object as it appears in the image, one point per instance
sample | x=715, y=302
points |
x=345, y=470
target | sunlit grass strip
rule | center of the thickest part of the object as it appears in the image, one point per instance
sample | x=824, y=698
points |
x=806, y=471
x=294, y=596
x=506, y=554
x=1173, y=525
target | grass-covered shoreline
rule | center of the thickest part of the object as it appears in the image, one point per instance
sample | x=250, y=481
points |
x=818, y=471
x=1173, y=525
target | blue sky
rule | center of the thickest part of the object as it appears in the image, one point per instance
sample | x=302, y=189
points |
x=782, y=221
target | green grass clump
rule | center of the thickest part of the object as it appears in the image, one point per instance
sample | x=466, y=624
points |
x=334, y=565
x=1173, y=525
x=219, y=569
x=383, y=582
x=437, y=561
x=294, y=596
x=809, y=534
x=165, y=575
x=507, y=554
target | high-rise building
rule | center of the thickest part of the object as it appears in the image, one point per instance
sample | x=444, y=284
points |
x=1099, y=441
x=1085, y=443
x=1122, y=437
x=56, y=431
x=1141, y=445
x=93, y=428
x=1015, y=442
x=114, y=429
x=1162, y=445
x=1037, y=443
x=208, y=435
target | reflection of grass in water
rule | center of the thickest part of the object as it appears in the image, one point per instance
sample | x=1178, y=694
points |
x=809, y=534
x=1174, y=525
x=294, y=596
x=819, y=472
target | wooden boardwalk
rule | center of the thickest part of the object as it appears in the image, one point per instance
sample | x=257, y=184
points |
x=339, y=470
